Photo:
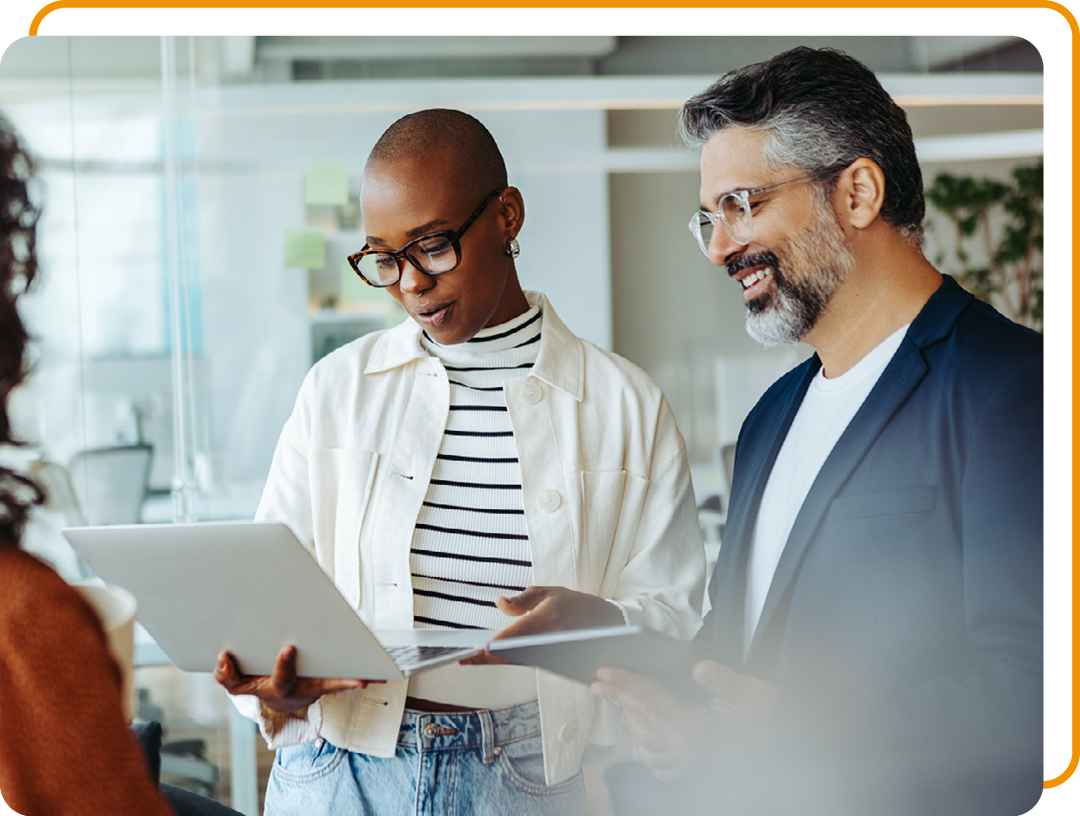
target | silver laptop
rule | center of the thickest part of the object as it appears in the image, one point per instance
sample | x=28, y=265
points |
x=251, y=588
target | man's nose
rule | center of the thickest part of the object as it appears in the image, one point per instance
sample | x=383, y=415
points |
x=414, y=280
x=722, y=246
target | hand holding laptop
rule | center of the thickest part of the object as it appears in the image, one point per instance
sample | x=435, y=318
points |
x=190, y=580
x=214, y=587
x=281, y=691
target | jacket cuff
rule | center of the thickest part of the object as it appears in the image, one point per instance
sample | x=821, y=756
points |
x=621, y=608
x=281, y=730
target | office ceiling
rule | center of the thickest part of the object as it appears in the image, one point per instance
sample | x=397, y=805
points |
x=646, y=77
x=244, y=60
x=393, y=57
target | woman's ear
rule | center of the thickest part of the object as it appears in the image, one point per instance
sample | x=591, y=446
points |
x=513, y=211
x=861, y=192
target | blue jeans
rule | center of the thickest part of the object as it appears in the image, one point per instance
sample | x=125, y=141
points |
x=477, y=762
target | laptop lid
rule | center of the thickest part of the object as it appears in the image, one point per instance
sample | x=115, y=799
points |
x=249, y=588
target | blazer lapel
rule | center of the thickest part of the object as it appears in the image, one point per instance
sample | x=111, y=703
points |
x=897, y=382
x=758, y=448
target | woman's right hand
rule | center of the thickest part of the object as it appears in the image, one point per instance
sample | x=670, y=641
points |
x=282, y=692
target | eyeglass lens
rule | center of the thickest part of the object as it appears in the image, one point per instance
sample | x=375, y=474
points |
x=433, y=254
x=734, y=212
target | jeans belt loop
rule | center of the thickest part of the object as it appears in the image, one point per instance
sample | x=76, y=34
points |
x=487, y=735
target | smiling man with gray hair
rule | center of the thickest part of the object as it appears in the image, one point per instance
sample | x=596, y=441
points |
x=875, y=638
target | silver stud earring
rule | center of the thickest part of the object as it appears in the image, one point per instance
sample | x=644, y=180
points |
x=513, y=249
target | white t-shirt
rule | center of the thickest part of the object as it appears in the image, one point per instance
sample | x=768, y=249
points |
x=826, y=410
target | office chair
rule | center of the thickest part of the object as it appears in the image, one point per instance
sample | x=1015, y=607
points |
x=55, y=481
x=99, y=486
x=183, y=801
x=110, y=483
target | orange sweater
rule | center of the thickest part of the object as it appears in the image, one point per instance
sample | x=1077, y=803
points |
x=65, y=749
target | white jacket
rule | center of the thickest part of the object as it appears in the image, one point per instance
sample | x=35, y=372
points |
x=608, y=505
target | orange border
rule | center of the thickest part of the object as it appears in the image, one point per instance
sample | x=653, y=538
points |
x=36, y=23
x=1060, y=9
x=1075, y=761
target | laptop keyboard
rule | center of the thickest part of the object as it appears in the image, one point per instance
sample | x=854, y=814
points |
x=407, y=657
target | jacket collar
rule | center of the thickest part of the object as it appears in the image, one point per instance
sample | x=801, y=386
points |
x=560, y=361
x=940, y=313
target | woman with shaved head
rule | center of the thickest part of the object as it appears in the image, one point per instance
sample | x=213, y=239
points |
x=474, y=465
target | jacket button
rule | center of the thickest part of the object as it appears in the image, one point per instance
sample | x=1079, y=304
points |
x=549, y=500
x=567, y=732
x=531, y=392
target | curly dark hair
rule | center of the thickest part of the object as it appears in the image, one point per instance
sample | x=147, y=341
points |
x=18, y=269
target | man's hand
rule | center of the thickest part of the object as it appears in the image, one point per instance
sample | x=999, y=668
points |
x=673, y=736
x=551, y=609
x=282, y=692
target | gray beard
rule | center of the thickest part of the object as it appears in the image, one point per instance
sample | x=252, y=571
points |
x=823, y=260
x=783, y=320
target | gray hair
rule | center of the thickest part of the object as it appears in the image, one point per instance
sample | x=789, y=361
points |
x=820, y=109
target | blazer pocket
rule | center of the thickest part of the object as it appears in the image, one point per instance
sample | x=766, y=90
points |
x=917, y=499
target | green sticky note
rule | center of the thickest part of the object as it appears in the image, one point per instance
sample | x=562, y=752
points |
x=354, y=290
x=326, y=183
x=304, y=248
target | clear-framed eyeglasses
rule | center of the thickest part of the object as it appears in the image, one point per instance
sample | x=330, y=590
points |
x=434, y=254
x=735, y=212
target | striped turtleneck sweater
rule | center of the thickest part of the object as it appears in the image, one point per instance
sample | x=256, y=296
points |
x=471, y=544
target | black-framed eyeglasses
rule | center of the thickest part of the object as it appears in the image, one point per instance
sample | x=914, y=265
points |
x=434, y=254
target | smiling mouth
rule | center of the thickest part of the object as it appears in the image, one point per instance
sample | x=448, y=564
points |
x=754, y=282
x=754, y=277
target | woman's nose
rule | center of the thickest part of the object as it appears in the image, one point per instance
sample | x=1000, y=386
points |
x=414, y=280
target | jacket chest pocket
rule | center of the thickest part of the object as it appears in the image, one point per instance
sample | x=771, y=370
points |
x=610, y=502
x=342, y=484
x=917, y=499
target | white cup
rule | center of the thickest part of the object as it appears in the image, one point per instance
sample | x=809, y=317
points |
x=116, y=608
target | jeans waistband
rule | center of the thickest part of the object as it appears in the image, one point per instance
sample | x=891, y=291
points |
x=484, y=729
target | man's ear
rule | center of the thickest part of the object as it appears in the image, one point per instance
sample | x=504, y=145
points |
x=513, y=211
x=861, y=191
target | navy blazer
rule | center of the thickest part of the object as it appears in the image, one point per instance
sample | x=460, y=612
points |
x=903, y=626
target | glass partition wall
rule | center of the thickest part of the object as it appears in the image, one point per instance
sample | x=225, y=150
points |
x=120, y=409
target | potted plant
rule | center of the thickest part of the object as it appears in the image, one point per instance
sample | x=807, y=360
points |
x=1007, y=219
